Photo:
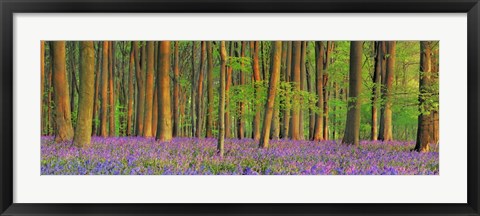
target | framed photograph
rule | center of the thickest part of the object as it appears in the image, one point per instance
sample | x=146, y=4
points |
x=231, y=107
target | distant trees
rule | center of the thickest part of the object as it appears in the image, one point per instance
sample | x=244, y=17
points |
x=285, y=89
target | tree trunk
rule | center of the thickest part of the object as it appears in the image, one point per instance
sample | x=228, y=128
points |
x=352, y=129
x=130, y=91
x=257, y=81
x=376, y=88
x=303, y=86
x=104, y=96
x=423, y=132
x=210, y=89
x=319, y=51
x=325, y=89
x=229, y=80
x=140, y=75
x=42, y=77
x=63, y=123
x=386, y=132
x=286, y=112
x=98, y=73
x=296, y=61
x=221, y=107
x=176, y=90
x=85, y=101
x=241, y=111
x=193, y=119
x=147, y=122
x=164, y=130
x=111, y=89
x=274, y=77
x=203, y=56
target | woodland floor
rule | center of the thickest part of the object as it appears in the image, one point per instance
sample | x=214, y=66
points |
x=192, y=156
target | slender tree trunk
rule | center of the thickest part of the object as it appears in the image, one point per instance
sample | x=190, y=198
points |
x=63, y=123
x=352, y=129
x=274, y=78
x=325, y=89
x=130, y=91
x=221, y=107
x=257, y=80
x=383, y=47
x=164, y=130
x=140, y=75
x=423, y=132
x=176, y=90
x=228, y=131
x=85, y=101
x=296, y=61
x=112, y=89
x=303, y=86
x=376, y=89
x=104, y=98
x=98, y=73
x=319, y=51
x=210, y=89
x=241, y=111
x=193, y=90
x=203, y=56
x=147, y=122
x=286, y=113
x=386, y=133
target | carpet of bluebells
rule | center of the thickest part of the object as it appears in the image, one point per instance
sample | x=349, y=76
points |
x=192, y=156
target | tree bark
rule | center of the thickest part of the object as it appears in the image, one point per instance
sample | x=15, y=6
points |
x=63, y=123
x=221, y=107
x=241, y=110
x=376, y=89
x=257, y=80
x=325, y=89
x=200, y=114
x=423, y=132
x=111, y=89
x=319, y=61
x=85, y=101
x=296, y=60
x=193, y=119
x=42, y=77
x=352, y=129
x=164, y=130
x=140, y=75
x=274, y=78
x=286, y=113
x=176, y=90
x=210, y=89
x=147, y=122
x=386, y=133
x=104, y=96
x=229, y=80
x=130, y=91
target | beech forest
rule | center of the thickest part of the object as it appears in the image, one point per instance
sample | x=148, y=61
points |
x=239, y=107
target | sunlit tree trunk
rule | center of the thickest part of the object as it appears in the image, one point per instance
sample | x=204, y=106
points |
x=319, y=61
x=257, y=79
x=423, y=132
x=85, y=101
x=221, y=107
x=111, y=89
x=130, y=91
x=176, y=90
x=386, y=133
x=210, y=89
x=63, y=123
x=164, y=130
x=303, y=87
x=274, y=78
x=435, y=112
x=296, y=59
x=352, y=129
x=147, y=122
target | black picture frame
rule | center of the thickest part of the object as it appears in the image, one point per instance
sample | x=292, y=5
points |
x=9, y=7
